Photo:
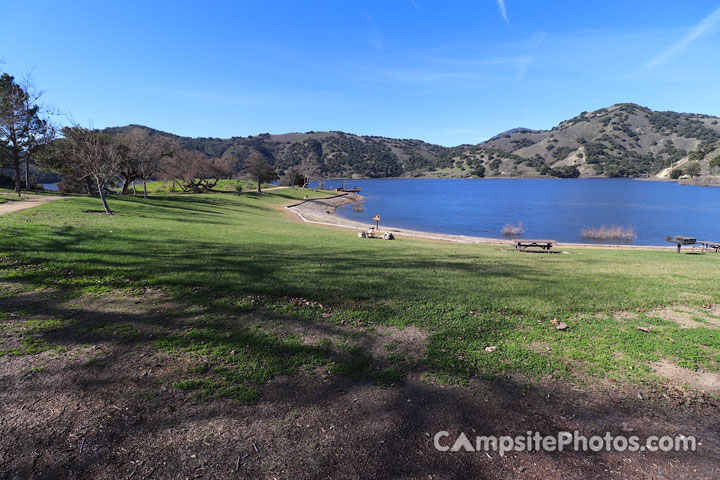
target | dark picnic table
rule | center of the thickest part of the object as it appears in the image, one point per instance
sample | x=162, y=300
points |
x=533, y=245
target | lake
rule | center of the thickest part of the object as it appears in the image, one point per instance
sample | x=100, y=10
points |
x=548, y=208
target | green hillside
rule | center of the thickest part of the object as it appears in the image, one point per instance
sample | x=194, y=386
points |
x=625, y=140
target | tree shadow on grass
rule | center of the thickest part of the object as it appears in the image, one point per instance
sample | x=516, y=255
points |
x=302, y=426
x=213, y=286
x=201, y=338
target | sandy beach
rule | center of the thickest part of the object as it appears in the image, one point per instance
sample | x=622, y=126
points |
x=321, y=211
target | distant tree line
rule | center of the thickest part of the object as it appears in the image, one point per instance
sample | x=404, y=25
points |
x=610, y=143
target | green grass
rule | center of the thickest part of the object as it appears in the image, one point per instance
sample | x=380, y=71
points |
x=232, y=255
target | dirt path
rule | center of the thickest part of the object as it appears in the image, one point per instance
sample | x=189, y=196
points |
x=28, y=201
x=665, y=173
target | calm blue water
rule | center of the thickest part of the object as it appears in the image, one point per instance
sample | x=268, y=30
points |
x=549, y=208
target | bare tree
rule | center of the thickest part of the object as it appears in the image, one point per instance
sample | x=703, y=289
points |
x=95, y=155
x=55, y=156
x=311, y=165
x=145, y=155
x=257, y=167
x=194, y=172
x=22, y=130
x=128, y=171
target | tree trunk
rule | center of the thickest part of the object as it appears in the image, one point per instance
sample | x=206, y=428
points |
x=18, y=183
x=259, y=189
x=134, y=189
x=127, y=181
x=27, y=173
x=101, y=191
x=145, y=188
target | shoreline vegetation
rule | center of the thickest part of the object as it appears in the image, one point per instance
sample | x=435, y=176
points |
x=609, y=232
x=510, y=230
x=322, y=211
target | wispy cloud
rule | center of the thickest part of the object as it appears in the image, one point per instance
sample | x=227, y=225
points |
x=700, y=29
x=375, y=37
x=525, y=61
x=415, y=5
x=503, y=10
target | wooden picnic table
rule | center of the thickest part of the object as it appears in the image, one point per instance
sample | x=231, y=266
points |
x=707, y=245
x=533, y=245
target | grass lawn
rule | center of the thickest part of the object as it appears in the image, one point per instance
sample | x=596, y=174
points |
x=217, y=336
x=231, y=257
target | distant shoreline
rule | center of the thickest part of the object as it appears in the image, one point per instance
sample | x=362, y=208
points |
x=321, y=211
x=705, y=181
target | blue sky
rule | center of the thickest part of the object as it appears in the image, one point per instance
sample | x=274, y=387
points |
x=447, y=72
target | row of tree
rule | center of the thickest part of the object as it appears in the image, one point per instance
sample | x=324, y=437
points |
x=89, y=159
x=92, y=159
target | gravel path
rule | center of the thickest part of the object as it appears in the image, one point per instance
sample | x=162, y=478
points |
x=28, y=201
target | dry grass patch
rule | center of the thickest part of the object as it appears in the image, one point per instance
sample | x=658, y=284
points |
x=683, y=316
x=708, y=382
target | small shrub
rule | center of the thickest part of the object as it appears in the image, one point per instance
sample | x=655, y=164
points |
x=609, y=232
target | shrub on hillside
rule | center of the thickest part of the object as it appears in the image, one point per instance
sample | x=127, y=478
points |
x=676, y=173
x=692, y=169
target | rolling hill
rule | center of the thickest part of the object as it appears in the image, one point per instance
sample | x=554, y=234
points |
x=624, y=140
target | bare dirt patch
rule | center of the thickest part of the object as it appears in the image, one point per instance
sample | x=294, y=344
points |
x=708, y=382
x=539, y=347
x=685, y=316
x=104, y=406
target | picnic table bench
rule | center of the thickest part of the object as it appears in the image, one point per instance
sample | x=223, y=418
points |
x=709, y=246
x=534, y=246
